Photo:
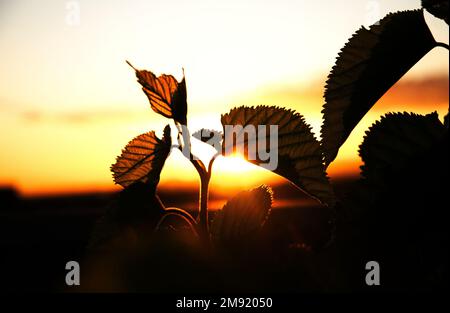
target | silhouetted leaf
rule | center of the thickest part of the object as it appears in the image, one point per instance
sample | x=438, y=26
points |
x=142, y=159
x=438, y=8
x=393, y=141
x=135, y=205
x=243, y=216
x=209, y=136
x=369, y=64
x=300, y=157
x=167, y=96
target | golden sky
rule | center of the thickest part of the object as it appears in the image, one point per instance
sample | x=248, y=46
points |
x=69, y=103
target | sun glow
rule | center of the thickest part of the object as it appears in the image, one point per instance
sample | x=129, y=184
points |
x=235, y=173
x=234, y=163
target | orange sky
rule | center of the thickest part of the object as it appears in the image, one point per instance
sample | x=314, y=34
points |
x=69, y=103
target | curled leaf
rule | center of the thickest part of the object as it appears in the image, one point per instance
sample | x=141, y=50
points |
x=297, y=152
x=209, y=136
x=439, y=8
x=243, y=216
x=368, y=65
x=391, y=143
x=142, y=159
x=167, y=96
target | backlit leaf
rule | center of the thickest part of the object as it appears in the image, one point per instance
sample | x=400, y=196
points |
x=395, y=140
x=243, y=216
x=167, y=96
x=368, y=65
x=142, y=159
x=299, y=154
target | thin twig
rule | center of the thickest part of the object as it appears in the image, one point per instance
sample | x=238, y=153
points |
x=443, y=45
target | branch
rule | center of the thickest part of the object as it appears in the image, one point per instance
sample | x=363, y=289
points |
x=198, y=164
x=202, y=225
x=214, y=157
x=443, y=45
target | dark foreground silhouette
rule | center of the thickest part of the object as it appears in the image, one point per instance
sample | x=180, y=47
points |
x=306, y=248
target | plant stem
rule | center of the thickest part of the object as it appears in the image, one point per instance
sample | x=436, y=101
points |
x=203, y=224
x=211, y=162
x=443, y=45
x=203, y=204
x=203, y=220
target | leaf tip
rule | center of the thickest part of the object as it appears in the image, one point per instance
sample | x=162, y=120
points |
x=131, y=65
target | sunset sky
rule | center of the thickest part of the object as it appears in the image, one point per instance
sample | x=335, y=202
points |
x=69, y=103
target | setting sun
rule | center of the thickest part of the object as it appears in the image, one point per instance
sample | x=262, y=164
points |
x=235, y=164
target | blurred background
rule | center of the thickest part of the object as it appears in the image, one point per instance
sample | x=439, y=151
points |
x=69, y=102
